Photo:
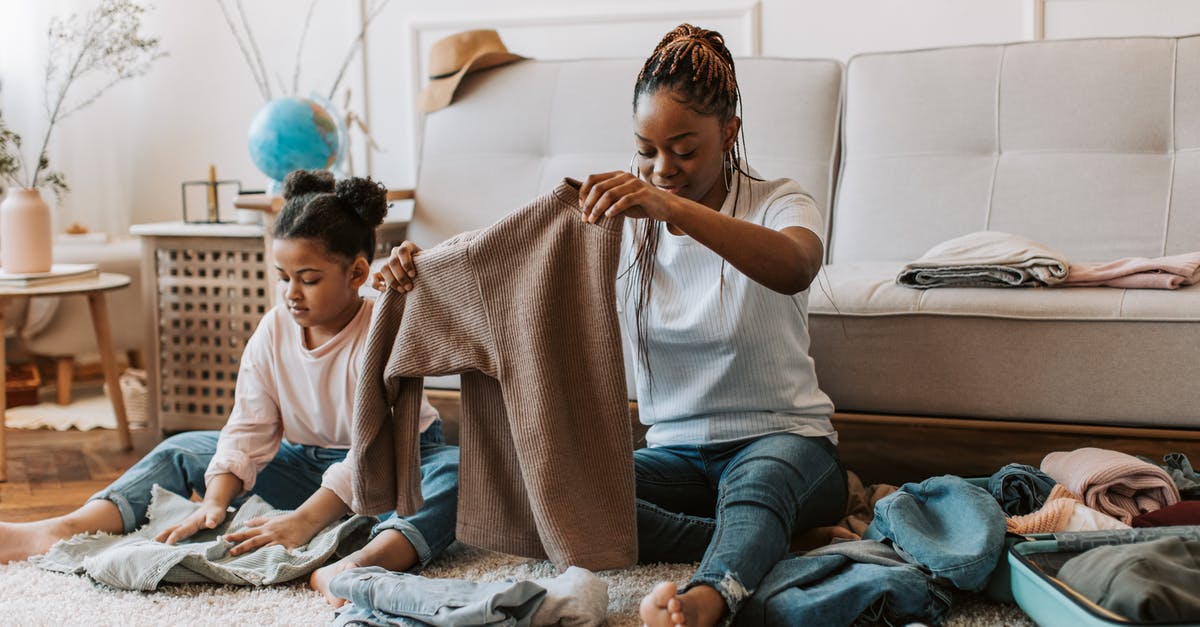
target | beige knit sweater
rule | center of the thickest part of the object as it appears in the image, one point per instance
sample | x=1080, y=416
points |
x=525, y=310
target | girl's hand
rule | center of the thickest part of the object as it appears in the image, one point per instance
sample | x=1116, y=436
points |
x=208, y=516
x=615, y=193
x=290, y=530
x=400, y=270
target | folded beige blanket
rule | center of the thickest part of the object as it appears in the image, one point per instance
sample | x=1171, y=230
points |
x=985, y=259
x=1111, y=482
x=1164, y=273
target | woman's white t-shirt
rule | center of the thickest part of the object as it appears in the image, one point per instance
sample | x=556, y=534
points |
x=728, y=359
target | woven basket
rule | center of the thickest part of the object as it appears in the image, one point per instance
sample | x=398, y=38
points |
x=136, y=394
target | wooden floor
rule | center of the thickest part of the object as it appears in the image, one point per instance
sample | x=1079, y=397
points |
x=53, y=472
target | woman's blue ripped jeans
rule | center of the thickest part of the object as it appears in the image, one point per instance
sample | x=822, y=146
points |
x=178, y=464
x=734, y=506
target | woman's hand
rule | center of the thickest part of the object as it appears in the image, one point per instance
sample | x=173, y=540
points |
x=400, y=270
x=615, y=193
x=290, y=530
x=207, y=516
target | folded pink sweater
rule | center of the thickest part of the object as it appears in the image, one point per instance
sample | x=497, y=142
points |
x=1137, y=272
x=1111, y=482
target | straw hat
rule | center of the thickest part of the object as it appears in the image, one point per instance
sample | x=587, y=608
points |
x=453, y=57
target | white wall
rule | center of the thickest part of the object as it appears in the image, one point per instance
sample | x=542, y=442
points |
x=126, y=155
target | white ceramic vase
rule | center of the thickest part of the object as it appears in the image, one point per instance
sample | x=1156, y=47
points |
x=26, y=242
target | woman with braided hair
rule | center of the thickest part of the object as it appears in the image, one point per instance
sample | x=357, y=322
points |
x=716, y=266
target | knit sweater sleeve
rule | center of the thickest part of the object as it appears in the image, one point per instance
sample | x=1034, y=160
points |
x=374, y=435
x=438, y=328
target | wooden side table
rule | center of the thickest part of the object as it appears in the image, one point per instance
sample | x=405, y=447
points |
x=93, y=288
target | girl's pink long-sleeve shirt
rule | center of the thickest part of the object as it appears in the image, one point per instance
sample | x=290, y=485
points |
x=285, y=390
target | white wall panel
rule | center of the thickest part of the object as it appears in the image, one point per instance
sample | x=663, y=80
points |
x=841, y=29
x=536, y=30
x=1121, y=18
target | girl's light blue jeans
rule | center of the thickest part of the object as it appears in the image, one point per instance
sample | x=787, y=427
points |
x=734, y=506
x=178, y=464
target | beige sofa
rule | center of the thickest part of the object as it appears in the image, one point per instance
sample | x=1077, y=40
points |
x=1089, y=146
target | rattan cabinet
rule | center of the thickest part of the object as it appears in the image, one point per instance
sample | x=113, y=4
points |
x=207, y=286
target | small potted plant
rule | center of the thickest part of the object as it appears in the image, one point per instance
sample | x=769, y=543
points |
x=104, y=45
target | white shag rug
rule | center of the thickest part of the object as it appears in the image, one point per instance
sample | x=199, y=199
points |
x=31, y=596
x=93, y=412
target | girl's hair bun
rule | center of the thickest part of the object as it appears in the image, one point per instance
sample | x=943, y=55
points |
x=300, y=182
x=368, y=198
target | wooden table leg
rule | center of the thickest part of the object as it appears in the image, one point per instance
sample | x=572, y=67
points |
x=109, y=360
x=3, y=398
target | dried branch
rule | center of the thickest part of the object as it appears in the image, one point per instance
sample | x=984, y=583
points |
x=355, y=45
x=262, y=67
x=300, y=47
x=102, y=41
x=259, y=81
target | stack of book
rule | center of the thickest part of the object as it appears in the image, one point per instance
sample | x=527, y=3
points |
x=59, y=272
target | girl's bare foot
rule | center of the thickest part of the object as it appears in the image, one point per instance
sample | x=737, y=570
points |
x=321, y=577
x=20, y=541
x=390, y=550
x=701, y=606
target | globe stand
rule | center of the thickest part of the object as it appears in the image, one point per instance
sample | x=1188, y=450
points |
x=213, y=193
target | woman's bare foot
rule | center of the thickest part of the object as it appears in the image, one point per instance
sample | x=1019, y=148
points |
x=321, y=577
x=701, y=606
x=390, y=549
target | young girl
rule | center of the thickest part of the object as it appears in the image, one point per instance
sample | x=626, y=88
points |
x=742, y=452
x=290, y=426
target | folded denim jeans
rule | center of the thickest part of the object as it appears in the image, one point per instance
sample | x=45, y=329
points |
x=382, y=598
x=1180, y=468
x=950, y=528
x=843, y=582
x=1020, y=489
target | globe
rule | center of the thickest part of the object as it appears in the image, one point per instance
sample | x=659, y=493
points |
x=294, y=133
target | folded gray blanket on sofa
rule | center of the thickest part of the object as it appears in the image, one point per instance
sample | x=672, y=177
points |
x=137, y=562
x=985, y=259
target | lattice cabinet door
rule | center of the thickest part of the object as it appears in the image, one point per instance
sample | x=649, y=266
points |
x=209, y=292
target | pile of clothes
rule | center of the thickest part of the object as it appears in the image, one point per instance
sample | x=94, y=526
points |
x=922, y=541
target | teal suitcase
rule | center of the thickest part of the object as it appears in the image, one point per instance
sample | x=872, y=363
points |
x=1034, y=562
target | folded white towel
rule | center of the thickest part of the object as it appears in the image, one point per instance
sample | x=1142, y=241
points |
x=985, y=259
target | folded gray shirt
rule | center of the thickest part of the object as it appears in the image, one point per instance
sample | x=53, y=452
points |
x=1149, y=582
x=137, y=562
x=986, y=259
